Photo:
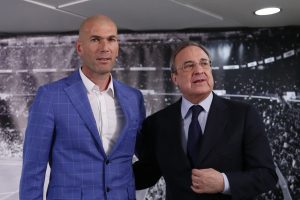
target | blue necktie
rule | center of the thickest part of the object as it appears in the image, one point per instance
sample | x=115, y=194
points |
x=194, y=135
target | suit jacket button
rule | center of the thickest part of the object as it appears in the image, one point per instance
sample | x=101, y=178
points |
x=107, y=162
x=107, y=189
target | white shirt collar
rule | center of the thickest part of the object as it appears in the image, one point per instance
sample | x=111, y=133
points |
x=89, y=85
x=185, y=105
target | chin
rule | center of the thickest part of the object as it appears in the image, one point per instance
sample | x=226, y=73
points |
x=104, y=68
x=203, y=91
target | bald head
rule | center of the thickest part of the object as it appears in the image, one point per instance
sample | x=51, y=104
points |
x=98, y=48
x=101, y=20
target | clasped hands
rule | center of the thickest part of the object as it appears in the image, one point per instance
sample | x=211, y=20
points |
x=207, y=181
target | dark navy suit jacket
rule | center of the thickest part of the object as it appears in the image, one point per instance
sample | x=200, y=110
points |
x=234, y=143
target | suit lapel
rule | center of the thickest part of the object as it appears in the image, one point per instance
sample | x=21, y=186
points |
x=122, y=100
x=174, y=134
x=214, y=129
x=78, y=96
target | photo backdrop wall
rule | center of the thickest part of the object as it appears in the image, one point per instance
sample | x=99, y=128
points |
x=260, y=66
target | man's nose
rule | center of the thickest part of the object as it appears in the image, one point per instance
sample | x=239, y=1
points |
x=198, y=68
x=103, y=45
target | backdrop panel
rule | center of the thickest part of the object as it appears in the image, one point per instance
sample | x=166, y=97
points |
x=260, y=66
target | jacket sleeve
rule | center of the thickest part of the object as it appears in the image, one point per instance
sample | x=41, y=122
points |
x=258, y=174
x=37, y=145
x=146, y=169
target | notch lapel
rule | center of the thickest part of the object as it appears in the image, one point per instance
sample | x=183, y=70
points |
x=78, y=96
x=214, y=130
x=172, y=132
x=122, y=99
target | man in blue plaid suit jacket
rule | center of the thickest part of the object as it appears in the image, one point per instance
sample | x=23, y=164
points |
x=87, y=138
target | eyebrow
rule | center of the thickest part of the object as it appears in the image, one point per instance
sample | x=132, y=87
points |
x=100, y=37
x=188, y=61
x=191, y=61
x=204, y=59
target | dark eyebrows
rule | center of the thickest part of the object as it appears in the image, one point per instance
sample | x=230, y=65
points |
x=100, y=38
x=191, y=61
x=204, y=59
x=188, y=62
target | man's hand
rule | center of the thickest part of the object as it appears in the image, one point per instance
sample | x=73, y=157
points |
x=207, y=181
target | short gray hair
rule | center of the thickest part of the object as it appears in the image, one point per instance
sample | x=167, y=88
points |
x=182, y=46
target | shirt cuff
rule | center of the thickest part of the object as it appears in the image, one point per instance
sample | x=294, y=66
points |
x=226, y=185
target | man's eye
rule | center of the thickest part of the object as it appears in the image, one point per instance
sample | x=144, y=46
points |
x=205, y=63
x=189, y=65
x=94, y=40
x=112, y=39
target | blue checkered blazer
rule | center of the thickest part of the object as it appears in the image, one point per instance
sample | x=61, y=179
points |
x=62, y=131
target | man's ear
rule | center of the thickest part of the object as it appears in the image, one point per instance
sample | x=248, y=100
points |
x=78, y=47
x=174, y=78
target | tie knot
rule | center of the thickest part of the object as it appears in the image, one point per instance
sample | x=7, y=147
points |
x=196, y=109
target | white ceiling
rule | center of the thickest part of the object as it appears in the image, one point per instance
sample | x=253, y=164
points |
x=24, y=16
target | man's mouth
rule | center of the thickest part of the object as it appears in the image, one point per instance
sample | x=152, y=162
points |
x=104, y=59
x=199, y=79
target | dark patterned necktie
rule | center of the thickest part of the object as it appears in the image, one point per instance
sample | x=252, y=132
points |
x=194, y=135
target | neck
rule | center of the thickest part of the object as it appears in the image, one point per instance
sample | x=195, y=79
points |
x=101, y=80
x=196, y=99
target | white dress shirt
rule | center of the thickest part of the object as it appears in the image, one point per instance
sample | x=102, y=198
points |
x=107, y=112
x=186, y=115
